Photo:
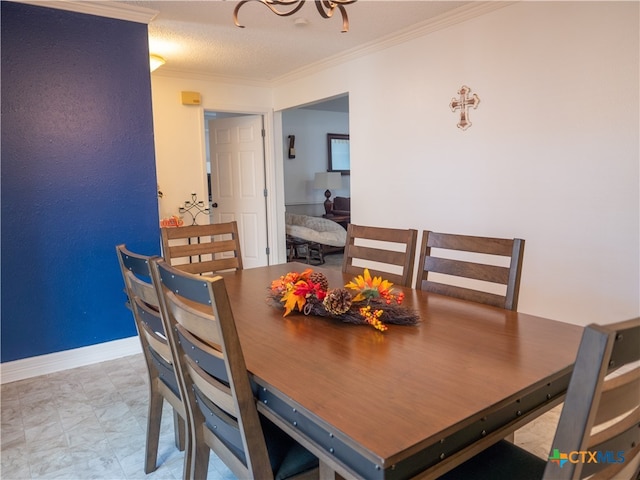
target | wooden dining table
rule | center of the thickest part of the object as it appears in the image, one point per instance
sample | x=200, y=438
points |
x=411, y=401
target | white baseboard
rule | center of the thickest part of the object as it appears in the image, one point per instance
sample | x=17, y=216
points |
x=78, y=357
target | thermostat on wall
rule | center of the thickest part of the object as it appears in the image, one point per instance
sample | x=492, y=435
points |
x=191, y=98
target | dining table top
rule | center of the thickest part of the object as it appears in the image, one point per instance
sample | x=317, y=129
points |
x=389, y=395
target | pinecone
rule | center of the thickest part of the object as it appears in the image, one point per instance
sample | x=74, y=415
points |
x=320, y=279
x=337, y=301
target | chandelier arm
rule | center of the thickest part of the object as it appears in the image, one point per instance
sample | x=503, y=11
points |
x=326, y=9
x=271, y=5
x=345, y=19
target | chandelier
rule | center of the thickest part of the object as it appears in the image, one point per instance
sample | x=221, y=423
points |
x=326, y=8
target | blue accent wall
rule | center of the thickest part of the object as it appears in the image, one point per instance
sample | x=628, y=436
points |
x=77, y=176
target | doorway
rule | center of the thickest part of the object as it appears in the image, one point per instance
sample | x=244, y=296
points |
x=310, y=124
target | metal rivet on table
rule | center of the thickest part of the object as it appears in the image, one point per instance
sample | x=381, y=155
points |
x=264, y=401
x=484, y=432
x=331, y=450
x=442, y=455
x=519, y=412
x=548, y=396
x=295, y=424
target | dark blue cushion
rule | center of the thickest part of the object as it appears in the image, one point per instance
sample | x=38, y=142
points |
x=504, y=460
x=288, y=458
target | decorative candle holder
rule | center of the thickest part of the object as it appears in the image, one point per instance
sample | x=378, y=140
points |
x=194, y=207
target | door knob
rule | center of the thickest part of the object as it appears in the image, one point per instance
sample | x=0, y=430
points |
x=214, y=205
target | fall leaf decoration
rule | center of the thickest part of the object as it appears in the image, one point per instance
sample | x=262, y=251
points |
x=365, y=300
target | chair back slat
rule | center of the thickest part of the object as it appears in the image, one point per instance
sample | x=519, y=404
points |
x=202, y=326
x=477, y=296
x=149, y=315
x=599, y=383
x=392, y=259
x=203, y=248
x=160, y=347
x=213, y=389
x=209, y=266
x=618, y=395
x=459, y=268
x=202, y=333
x=476, y=279
x=467, y=243
x=135, y=271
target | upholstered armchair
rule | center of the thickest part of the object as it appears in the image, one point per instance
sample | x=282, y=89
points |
x=341, y=206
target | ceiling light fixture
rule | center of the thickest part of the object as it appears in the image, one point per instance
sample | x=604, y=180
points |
x=325, y=8
x=155, y=62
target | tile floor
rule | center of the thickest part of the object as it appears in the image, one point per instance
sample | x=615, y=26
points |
x=86, y=423
x=89, y=423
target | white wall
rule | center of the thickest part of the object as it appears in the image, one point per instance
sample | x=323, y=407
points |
x=181, y=146
x=310, y=128
x=552, y=156
x=179, y=131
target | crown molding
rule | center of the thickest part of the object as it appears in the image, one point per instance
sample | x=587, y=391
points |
x=115, y=10
x=454, y=17
x=210, y=77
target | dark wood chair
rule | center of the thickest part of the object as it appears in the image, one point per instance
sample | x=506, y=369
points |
x=203, y=248
x=476, y=250
x=386, y=252
x=219, y=395
x=600, y=418
x=163, y=383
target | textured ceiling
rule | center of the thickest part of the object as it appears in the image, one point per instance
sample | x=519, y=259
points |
x=200, y=36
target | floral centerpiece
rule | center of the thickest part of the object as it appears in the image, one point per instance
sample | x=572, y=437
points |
x=364, y=300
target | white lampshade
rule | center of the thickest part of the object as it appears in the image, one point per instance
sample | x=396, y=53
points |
x=327, y=180
x=155, y=61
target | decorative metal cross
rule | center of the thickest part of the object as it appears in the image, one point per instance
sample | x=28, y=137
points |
x=462, y=103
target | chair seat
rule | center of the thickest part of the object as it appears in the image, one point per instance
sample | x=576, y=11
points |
x=504, y=460
x=288, y=458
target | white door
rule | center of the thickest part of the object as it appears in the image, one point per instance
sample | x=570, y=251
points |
x=238, y=182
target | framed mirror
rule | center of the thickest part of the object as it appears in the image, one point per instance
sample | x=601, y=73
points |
x=338, y=148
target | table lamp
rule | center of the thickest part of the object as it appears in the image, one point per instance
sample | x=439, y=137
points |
x=327, y=180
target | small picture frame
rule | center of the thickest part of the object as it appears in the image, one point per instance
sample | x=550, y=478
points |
x=338, y=148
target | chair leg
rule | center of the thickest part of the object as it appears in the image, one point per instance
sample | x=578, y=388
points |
x=178, y=430
x=153, y=429
x=200, y=456
x=188, y=459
